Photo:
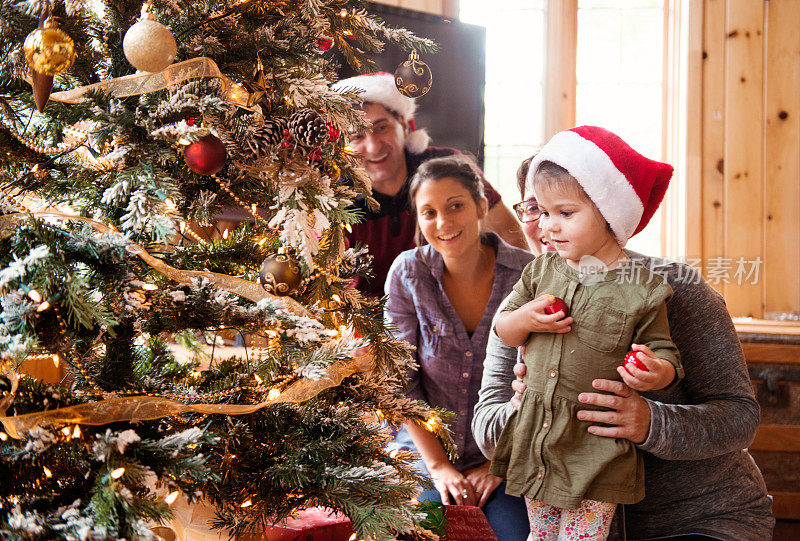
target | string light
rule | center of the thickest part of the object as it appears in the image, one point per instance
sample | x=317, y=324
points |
x=273, y=394
x=56, y=360
x=119, y=472
x=35, y=295
x=262, y=241
x=246, y=503
x=149, y=287
x=44, y=306
x=66, y=431
x=77, y=432
x=3, y=436
x=171, y=497
x=225, y=234
x=170, y=204
x=47, y=472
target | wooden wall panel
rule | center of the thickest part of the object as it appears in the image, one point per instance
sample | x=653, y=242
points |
x=782, y=163
x=744, y=125
x=713, y=133
x=750, y=202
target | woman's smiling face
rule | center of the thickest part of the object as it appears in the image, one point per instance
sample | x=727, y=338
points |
x=448, y=216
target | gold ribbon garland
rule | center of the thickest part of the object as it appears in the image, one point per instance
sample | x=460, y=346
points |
x=141, y=408
x=146, y=408
x=142, y=83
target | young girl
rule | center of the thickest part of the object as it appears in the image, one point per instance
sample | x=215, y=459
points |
x=594, y=192
x=441, y=298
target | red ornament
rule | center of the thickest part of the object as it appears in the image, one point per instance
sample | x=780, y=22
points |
x=333, y=133
x=631, y=358
x=325, y=43
x=190, y=121
x=556, y=306
x=205, y=156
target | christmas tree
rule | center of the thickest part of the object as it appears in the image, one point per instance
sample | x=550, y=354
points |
x=110, y=179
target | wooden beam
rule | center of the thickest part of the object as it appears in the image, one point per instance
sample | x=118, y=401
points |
x=786, y=505
x=777, y=438
x=561, y=65
x=771, y=353
x=766, y=326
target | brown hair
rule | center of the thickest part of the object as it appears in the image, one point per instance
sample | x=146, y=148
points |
x=522, y=175
x=458, y=167
x=553, y=176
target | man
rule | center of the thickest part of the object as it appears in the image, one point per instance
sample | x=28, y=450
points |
x=391, y=150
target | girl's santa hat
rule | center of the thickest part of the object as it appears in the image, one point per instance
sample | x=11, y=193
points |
x=625, y=186
x=379, y=87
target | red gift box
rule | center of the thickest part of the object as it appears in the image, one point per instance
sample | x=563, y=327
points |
x=467, y=523
x=315, y=524
x=464, y=523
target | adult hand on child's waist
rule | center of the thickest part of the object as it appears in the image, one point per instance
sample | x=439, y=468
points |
x=627, y=413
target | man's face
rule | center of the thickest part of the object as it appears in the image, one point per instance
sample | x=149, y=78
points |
x=381, y=148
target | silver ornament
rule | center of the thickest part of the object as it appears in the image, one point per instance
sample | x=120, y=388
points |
x=149, y=45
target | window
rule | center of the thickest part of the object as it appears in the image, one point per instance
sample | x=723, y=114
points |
x=618, y=82
x=515, y=45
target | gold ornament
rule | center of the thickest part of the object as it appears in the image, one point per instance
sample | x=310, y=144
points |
x=48, y=50
x=260, y=90
x=279, y=274
x=413, y=78
x=149, y=45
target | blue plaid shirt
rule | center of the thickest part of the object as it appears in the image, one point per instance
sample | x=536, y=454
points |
x=451, y=362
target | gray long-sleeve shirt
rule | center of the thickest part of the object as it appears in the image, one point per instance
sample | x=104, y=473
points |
x=698, y=478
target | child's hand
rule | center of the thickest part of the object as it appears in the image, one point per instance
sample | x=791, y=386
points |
x=536, y=320
x=658, y=375
x=515, y=327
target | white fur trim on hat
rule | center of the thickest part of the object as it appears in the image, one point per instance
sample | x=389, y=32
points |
x=605, y=185
x=417, y=141
x=380, y=88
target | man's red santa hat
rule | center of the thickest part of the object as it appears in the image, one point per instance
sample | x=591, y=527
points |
x=624, y=185
x=379, y=88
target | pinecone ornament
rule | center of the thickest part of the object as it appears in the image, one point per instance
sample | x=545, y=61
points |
x=268, y=134
x=308, y=128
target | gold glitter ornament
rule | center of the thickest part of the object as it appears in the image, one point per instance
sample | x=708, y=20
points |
x=413, y=78
x=48, y=50
x=149, y=45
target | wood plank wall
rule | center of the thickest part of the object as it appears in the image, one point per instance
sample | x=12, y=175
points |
x=750, y=181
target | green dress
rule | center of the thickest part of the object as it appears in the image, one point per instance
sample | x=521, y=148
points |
x=545, y=452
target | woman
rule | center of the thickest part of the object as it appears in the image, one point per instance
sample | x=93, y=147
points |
x=442, y=298
x=699, y=482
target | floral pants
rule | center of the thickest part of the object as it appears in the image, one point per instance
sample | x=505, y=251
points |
x=591, y=521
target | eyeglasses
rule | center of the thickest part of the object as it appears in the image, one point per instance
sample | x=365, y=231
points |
x=527, y=211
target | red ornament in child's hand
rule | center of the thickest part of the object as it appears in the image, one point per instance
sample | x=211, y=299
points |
x=631, y=358
x=558, y=305
x=206, y=156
